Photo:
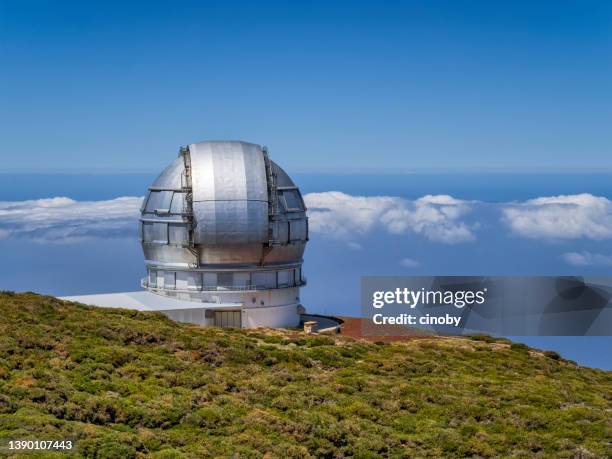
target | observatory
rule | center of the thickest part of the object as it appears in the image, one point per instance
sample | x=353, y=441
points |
x=223, y=230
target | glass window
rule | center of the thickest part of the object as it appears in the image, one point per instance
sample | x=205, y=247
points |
x=210, y=279
x=242, y=279
x=292, y=200
x=285, y=278
x=159, y=201
x=186, y=280
x=264, y=279
x=177, y=203
x=225, y=279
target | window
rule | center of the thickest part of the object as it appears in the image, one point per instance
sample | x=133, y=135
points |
x=186, y=280
x=265, y=279
x=159, y=202
x=210, y=280
x=242, y=279
x=285, y=278
x=177, y=203
x=225, y=279
x=293, y=201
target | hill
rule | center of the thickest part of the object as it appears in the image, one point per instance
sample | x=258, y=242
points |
x=128, y=384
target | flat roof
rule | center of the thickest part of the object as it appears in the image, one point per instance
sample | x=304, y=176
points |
x=144, y=301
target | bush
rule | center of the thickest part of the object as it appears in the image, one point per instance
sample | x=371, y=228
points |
x=552, y=355
x=519, y=347
x=131, y=384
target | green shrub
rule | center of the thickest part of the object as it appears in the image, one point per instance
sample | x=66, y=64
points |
x=519, y=347
x=132, y=384
x=552, y=355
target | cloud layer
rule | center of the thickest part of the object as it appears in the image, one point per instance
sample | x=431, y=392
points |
x=65, y=220
x=342, y=216
x=587, y=259
x=561, y=217
x=439, y=218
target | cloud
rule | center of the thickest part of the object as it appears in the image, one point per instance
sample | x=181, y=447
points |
x=336, y=214
x=409, y=263
x=342, y=216
x=439, y=218
x=587, y=259
x=561, y=217
x=354, y=245
x=60, y=220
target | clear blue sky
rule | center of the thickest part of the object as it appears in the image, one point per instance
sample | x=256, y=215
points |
x=328, y=86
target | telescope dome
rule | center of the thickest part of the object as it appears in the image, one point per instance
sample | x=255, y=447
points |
x=222, y=217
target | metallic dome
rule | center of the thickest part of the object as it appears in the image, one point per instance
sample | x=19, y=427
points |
x=222, y=217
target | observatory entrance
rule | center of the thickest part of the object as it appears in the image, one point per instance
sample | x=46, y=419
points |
x=228, y=319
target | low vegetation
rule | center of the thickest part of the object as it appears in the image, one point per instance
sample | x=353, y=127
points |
x=129, y=384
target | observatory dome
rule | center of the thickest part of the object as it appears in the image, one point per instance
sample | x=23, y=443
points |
x=225, y=226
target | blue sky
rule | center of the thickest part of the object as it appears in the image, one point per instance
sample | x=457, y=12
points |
x=330, y=86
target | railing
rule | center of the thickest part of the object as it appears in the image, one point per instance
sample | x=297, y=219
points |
x=144, y=283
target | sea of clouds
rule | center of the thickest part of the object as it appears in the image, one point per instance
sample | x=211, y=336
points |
x=347, y=218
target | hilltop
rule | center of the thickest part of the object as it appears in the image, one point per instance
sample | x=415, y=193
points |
x=127, y=384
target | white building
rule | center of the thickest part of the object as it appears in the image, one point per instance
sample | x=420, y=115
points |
x=223, y=231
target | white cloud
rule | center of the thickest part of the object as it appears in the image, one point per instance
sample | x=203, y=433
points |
x=354, y=245
x=561, y=217
x=342, y=216
x=587, y=259
x=65, y=220
x=440, y=218
x=409, y=263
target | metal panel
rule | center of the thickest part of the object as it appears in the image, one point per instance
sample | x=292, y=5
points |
x=230, y=222
x=281, y=231
x=178, y=234
x=297, y=230
x=152, y=278
x=169, y=279
x=155, y=232
x=230, y=195
x=158, y=254
x=170, y=178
